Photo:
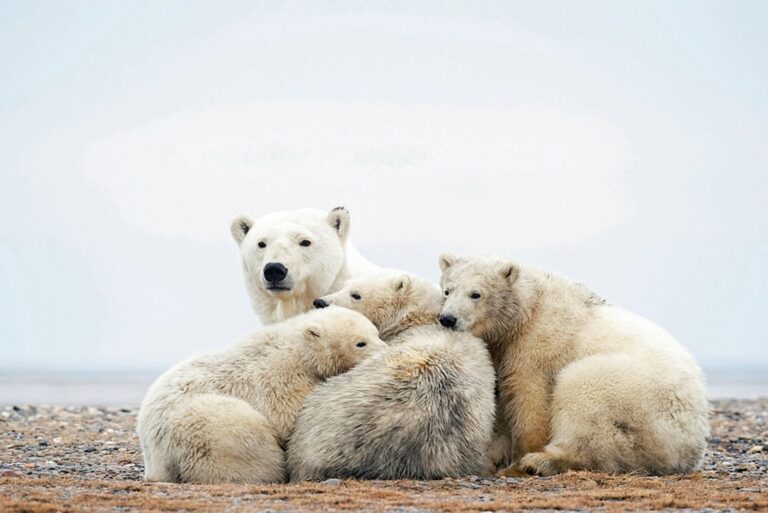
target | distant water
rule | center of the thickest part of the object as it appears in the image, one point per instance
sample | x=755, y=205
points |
x=128, y=388
x=737, y=382
x=81, y=388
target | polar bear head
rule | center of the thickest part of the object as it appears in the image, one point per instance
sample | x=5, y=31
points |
x=483, y=295
x=337, y=339
x=392, y=300
x=291, y=257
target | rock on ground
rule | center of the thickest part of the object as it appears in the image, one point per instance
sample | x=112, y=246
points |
x=72, y=459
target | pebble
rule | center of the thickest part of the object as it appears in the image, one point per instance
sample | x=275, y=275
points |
x=100, y=443
x=9, y=473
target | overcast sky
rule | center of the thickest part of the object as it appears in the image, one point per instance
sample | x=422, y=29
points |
x=624, y=144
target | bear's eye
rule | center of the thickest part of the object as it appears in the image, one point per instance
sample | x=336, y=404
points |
x=361, y=344
x=356, y=296
x=305, y=243
x=475, y=295
x=262, y=244
x=445, y=292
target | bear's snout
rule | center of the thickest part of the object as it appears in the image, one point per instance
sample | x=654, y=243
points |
x=319, y=303
x=275, y=272
x=448, y=320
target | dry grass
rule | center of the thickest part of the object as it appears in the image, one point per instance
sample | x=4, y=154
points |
x=572, y=491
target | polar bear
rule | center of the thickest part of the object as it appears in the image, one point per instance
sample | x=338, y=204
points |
x=423, y=408
x=291, y=257
x=224, y=416
x=583, y=384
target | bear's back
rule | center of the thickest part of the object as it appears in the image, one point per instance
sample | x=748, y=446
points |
x=421, y=409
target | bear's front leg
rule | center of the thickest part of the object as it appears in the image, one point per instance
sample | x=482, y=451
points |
x=499, y=454
x=548, y=462
x=526, y=408
x=530, y=417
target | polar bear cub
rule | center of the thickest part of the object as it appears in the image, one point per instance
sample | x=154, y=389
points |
x=289, y=258
x=582, y=384
x=423, y=408
x=224, y=416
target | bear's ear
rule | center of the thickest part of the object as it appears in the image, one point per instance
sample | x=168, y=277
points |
x=510, y=272
x=446, y=260
x=312, y=333
x=338, y=218
x=401, y=283
x=240, y=226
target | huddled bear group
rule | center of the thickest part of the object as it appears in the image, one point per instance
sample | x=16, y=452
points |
x=363, y=372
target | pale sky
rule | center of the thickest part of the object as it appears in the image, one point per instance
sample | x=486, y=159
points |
x=624, y=144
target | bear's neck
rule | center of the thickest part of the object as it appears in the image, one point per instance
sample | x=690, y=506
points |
x=551, y=309
x=424, y=313
x=506, y=331
x=279, y=308
x=344, y=274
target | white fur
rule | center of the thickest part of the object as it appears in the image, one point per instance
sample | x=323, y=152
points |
x=313, y=271
x=225, y=416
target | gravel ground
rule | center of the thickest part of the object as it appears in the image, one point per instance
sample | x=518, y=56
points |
x=87, y=459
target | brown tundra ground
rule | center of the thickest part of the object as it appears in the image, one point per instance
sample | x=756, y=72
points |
x=72, y=459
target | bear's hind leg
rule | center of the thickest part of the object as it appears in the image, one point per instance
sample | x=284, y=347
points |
x=616, y=413
x=220, y=439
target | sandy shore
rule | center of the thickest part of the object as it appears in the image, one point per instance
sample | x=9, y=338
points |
x=87, y=459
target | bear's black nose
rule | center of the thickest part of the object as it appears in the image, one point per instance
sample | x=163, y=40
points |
x=447, y=320
x=275, y=271
x=319, y=303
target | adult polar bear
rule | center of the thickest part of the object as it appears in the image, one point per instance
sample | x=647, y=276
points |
x=291, y=257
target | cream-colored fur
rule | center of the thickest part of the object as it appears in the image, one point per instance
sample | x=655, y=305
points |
x=582, y=384
x=224, y=416
x=421, y=409
x=314, y=269
x=394, y=302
